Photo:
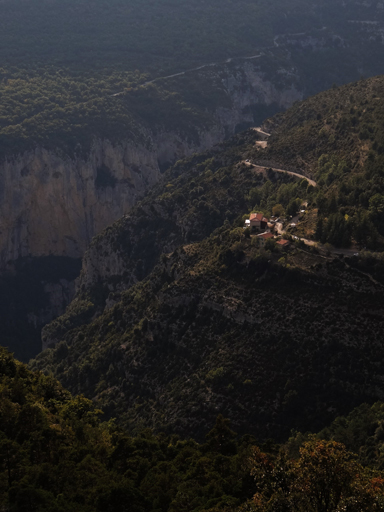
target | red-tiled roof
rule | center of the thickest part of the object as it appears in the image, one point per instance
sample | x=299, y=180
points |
x=266, y=236
x=283, y=242
x=256, y=216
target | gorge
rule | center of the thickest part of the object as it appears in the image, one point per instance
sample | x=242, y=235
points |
x=53, y=203
x=191, y=255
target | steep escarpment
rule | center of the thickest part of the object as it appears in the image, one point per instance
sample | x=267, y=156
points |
x=272, y=342
x=190, y=202
x=54, y=202
x=195, y=197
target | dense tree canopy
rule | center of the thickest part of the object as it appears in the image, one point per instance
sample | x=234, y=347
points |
x=56, y=455
x=61, y=62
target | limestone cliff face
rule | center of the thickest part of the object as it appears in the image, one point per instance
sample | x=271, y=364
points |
x=248, y=86
x=51, y=204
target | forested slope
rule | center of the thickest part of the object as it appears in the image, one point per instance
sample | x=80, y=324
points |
x=195, y=196
x=334, y=137
x=274, y=341
x=157, y=34
x=56, y=455
x=337, y=137
x=220, y=326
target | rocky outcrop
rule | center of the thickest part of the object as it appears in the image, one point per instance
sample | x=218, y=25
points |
x=58, y=297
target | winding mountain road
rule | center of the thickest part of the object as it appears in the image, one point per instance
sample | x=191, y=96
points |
x=261, y=168
x=291, y=173
x=262, y=132
x=231, y=59
x=200, y=67
x=190, y=71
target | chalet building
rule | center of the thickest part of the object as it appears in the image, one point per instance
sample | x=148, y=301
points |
x=256, y=221
x=283, y=244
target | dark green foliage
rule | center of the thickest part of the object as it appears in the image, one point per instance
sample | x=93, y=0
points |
x=221, y=438
x=157, y=35
x=162, y=34
x=325, y=133
x=196, y=338
x=56, y=455
x=336, y=231
x=362, y=432
x=293, y=207
x=270, y=245
x=61, y=64
x=65, y=112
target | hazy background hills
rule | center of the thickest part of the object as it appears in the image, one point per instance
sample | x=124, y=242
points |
x=161, y=35
x=61, y=61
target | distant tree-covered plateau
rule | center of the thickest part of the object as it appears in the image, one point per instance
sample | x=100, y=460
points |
x=61, y=62
x=157, y=34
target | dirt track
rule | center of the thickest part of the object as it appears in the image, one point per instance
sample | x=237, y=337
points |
x=262, y=168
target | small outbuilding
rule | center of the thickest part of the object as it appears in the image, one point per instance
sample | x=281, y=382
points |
x=263, y=237
x=283, y=244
